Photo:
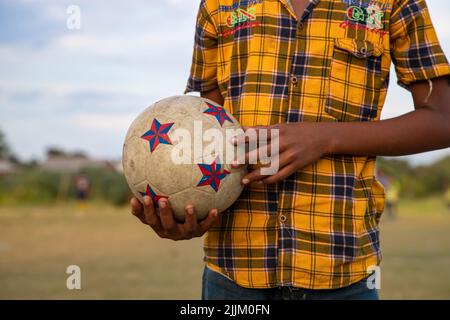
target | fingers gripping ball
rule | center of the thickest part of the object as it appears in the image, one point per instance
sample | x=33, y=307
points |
x=180, y=149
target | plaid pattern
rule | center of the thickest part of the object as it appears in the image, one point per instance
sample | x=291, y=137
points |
x=318, y=228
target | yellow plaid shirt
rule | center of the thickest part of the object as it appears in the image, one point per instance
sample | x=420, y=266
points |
x=318, y=228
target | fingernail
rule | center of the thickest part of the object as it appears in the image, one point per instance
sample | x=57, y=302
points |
x=245, y=181
x=162, y=203
x=190, y=210
x=214, y=213
x=234, y=140
x=260, y=182
x=146, y=201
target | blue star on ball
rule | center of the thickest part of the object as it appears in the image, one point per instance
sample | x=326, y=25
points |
x=157, y=134
x=212, y=175
x=218, y=112
x=152, y=194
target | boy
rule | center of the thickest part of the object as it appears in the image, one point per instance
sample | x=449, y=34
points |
x=318, y=71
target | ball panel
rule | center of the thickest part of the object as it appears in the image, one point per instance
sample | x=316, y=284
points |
x=199, y=178
x=135, y=154
x=211, y=151
x=162, y=172
x=193, y=126
x=165, y=102
x=206, y=145
x=187, y=102
x=183, y=112
x=144, y=188
x=140, y=125
x=138, y=188
x=201, y=201
x=228, y=120
x=230, y=190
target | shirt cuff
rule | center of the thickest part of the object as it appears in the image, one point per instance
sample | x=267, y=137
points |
x=429, y=74
x=200, y=85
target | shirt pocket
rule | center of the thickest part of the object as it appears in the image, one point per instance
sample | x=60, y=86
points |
x=355, y=80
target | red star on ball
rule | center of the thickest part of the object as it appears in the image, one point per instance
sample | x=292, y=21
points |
x=158, y=134
x=212, y=175
x=218, y=112
x=152, y=194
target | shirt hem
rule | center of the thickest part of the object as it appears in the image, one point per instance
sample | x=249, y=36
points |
x=296, y=284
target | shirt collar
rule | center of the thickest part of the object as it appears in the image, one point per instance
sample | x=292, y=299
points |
x=312, y=4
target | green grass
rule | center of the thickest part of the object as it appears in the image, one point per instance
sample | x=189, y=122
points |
x=416, y=252
x=122, y=259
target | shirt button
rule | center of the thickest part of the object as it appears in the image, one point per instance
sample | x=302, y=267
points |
x=294, y=80
x=363, y=51
x=300, y=25
x=283, y=218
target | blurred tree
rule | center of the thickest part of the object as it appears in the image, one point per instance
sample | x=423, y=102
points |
x=5, y=150
x=59, y=152
x=55, y=152
x=435, y=177
x=421, y=181
x=79, y=154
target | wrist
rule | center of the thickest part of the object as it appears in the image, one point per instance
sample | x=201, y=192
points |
x=329, y=139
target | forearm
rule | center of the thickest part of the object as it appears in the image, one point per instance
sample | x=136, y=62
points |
x=422, y=130
x=213, y=95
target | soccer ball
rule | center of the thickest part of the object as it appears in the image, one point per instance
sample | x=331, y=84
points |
x=180, y=149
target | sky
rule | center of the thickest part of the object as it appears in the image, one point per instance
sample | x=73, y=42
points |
x=79, y=89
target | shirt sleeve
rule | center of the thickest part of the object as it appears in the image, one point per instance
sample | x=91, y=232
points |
x=203, y=75
x=415, y=49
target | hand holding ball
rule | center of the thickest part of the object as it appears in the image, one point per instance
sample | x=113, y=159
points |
x=180, y=149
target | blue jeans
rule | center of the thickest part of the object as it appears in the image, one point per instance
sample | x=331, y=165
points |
x=218, y=287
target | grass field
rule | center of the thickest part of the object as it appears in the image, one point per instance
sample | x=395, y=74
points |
x=122, y=259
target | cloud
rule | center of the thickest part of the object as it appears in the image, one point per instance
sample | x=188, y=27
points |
x=149, y=45
x=30, y=137
x=103, y=122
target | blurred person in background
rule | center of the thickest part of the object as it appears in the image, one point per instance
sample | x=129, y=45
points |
x=392, y=193
x=82, y=189
x=447, y=198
